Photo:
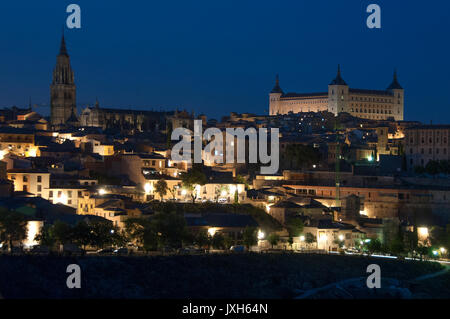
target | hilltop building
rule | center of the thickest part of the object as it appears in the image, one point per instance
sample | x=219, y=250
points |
x=362, y=103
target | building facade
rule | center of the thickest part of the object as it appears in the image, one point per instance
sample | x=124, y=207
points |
x=426, y=143
x=362, y=103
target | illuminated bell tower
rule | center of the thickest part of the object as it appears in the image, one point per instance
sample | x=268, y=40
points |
x=62, y=89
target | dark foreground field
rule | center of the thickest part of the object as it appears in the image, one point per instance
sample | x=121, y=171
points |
x=208, y=276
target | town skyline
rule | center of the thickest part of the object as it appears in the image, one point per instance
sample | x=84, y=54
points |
x=105, y=71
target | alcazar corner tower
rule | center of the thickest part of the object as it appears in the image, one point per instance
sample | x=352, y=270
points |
x=62, y=89
x=363, y=103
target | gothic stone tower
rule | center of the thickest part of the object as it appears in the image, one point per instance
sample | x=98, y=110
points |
x=62, y=89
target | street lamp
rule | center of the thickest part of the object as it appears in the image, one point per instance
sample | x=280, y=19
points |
x=261, y=235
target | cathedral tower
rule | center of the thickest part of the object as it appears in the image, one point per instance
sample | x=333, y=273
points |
x=62, y=89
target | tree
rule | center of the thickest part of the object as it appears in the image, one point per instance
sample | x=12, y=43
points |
x=13, y=227
x=171, y=228
x=228, y=242
x=45, y=237
x=239, y=179
x=161, y=188
x=193, y=178
x=290, y=241
x=81, y=234
x=397, y=246
x=411, y=241
x=102, y=234
x=423, y=251
x=310, y=239
x=61, y=232
x=218, y=191
x=202, y=238
x=294, y=226
x=373, y=246
x=218, y=241
x=440, y=236
x=250, y=237
x=142, y=232
x=173, y=191
x=273, y=239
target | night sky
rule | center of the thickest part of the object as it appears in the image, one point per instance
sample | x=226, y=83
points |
x=218, y=56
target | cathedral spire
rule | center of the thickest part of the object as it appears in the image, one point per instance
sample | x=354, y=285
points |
x=63, y=49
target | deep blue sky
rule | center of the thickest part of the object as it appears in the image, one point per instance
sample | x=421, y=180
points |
x=217, y=56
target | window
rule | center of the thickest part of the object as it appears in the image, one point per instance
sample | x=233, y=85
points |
x=39, y=179
x=50, y=194
x=69, y=194
x=39, y=188
x=25, y=178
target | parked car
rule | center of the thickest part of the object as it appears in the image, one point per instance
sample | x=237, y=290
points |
x=168, y=250
x=105, y=251
x=238, y=249
x=121, y=251
x=39, y=250
x=191, y=250
x=222, y=200
x=71, y=249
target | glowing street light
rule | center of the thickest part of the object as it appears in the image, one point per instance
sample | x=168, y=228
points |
x=302, y=238
x=148, y=188
x=341, y=237
x=261, y=235
x=102, y=191
x=443, y=250
x=2, y=154
x=212, y=231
